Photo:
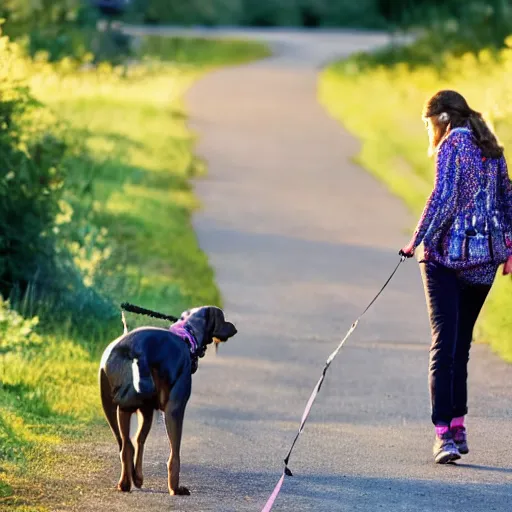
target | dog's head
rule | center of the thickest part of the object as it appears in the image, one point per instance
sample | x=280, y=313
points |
x=208, y=325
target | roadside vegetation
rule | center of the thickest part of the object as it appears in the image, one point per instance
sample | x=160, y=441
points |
x=95, y=206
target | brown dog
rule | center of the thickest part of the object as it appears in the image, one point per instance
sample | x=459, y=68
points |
x=149, y=369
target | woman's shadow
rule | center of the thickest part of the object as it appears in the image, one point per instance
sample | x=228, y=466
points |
x=484, y=468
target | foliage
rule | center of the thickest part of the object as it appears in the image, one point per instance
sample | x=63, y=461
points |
x=487, y=18
x=267, y=13
x=56, y=26
x=16, y=333
x=31, y=177
x=63, y=27
x=42, y=246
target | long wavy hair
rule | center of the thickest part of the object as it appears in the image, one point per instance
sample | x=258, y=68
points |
x=449, y=109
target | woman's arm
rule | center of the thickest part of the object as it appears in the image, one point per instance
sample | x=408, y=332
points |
x=443, y=199
x=506, y=200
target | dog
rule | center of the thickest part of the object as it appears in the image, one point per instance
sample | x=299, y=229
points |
x=148, y=369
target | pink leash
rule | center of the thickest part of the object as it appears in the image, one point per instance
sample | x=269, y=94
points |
x=286, y=471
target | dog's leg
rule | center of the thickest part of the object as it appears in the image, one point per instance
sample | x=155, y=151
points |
x=174, y=413
x=109, y=408
x=145, y=419
x=127, y=451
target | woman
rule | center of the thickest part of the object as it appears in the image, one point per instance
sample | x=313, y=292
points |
x=466, y=232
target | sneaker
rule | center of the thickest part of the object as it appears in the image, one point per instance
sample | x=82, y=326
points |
x=460, y=438
x=445, y=450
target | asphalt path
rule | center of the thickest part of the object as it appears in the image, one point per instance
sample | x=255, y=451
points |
x=301, y=239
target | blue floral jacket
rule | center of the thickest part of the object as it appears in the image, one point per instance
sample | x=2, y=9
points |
x=461, y=175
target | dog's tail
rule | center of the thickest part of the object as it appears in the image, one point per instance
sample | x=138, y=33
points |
x=123, y=318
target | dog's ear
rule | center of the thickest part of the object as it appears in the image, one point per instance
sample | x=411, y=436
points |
x=198, y=320
x=227, y=331
x=221, y=329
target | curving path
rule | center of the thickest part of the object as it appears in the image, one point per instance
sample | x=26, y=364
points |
x=301, y=239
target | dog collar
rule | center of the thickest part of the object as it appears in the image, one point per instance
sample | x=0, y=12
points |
x=180, y=329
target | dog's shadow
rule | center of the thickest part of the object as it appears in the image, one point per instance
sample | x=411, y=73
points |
x=150, y=491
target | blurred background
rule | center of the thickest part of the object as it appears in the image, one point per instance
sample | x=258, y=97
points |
x=62, y=27
x=96, y=158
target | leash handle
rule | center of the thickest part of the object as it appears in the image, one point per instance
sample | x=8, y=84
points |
x=132, y=308
x=286, y=471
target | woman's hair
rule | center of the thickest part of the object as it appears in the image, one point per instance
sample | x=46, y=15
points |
x=448, y=110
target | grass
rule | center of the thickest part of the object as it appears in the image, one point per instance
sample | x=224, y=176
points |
x=136, y=161
x=384, y=112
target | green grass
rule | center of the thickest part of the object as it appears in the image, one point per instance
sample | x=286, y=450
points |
x=137, y=130
x=136, y=161
x=386, y=96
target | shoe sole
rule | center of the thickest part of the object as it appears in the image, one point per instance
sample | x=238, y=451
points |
x=447, y=458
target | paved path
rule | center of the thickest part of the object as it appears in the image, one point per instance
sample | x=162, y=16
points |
x=301, y=239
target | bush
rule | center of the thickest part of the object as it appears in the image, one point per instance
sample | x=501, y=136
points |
x=31, y=178
x=264, y=13
x=16, y=333
x=203, y=12
x=56, y=26
x=44, y=255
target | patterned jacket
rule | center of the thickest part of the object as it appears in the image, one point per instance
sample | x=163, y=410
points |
x=461, y=172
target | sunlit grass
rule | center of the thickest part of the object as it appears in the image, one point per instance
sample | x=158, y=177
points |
x=137, y=132
x=384, y=112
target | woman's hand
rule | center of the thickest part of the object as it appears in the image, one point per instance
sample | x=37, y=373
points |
x=408, y=250
x=507, y=268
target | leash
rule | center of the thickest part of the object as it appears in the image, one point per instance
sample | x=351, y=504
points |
x=148, y=312
x=316, y=390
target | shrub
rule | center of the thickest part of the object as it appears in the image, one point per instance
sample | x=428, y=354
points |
x=16, y=333
x=31, y=177
x=46, y=250
x=56, y=26
x=266, y=13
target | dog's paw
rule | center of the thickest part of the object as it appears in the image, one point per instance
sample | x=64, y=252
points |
x=124, y=486
x=137, y=481
x=180, y=491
